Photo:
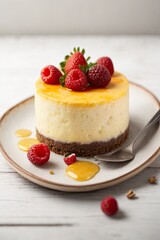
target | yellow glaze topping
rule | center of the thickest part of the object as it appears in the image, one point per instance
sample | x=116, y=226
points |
x=26, y=143
x=118, y=87
x=23, y=133
x=82, y=170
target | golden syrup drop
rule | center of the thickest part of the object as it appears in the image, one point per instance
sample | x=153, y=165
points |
x=23, y=133
x=82, y=170
x=26, y=143
x=51, y=172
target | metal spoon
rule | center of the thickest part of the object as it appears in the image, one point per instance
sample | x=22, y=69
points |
x=128, y=153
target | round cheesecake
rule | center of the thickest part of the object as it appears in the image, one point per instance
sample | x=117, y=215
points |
x=88, y=123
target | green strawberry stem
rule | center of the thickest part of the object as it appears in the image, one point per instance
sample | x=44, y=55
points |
x=62, y=80
x=63, y=63
x=83, y=68
x=87, y=67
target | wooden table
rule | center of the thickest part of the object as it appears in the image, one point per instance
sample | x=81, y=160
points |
x=28, y=211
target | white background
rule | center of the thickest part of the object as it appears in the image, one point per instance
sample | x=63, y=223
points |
x=79, y=17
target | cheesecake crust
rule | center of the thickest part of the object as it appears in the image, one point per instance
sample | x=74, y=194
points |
x=83, y=150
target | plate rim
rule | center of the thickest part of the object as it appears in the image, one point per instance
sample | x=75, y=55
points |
x=73, y=188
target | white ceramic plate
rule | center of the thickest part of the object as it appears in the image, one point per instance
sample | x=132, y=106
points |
x=143, y=104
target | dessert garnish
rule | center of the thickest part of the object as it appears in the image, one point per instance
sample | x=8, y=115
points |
x=109, y=205
x=38, y=154
x=131, y=194
x=152, y=180
x=82, y=170
x=98, y=76
x=23, y=133
x=106, y=62
x=76, y=80
x=75, y=60
x=70, y=158
x=50, y=74
x=78, y=73
x=25, y=143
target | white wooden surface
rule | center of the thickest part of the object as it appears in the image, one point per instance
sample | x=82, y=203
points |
x=28, y=211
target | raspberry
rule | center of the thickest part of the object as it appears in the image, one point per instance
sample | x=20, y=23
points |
x=109, y=205
x=70, y=158
x=98, y=76
x=107, y=62
x=50, y=74
x=74, y=61
x=76, y=80
x=38, y=154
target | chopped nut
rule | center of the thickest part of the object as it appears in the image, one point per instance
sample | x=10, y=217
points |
x=51, y=172
x=152, y=180
x=130, y=194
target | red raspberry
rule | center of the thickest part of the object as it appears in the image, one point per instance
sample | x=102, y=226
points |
x=107, y=62
x=109, y=205
x=70, y=158
x=98, y=76
x=38, y=154
x=74, y=61
x=76, y=80
x=50, y=74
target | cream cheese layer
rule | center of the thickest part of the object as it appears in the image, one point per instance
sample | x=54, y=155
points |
x=84, y=117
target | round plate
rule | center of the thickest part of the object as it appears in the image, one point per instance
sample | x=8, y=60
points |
x=143, y=105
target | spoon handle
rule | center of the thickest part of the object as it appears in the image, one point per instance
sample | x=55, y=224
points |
x=146, y=129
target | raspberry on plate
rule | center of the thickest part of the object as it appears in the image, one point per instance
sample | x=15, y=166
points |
x=106, y=62
x=98, y=76
x=51, y=75
x=109, y=205
x=70, y=158
x=38, y=154
x=76, y=80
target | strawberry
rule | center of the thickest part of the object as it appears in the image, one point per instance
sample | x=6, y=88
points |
x=98, y=76
x=70, y=158
x=107, y=62
x=76, y=80
x=109, y=205
x=50, y=75
x=38, y=154
x=74, y=61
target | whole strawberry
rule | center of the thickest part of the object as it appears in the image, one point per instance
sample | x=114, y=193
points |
x=107, y=62
x=76, y=80
x=98, y=76
x=50, y=75
x=74, y=61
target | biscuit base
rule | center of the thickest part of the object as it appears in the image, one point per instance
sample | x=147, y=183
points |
x=83, y=150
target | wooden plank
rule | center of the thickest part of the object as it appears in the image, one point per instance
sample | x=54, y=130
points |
x=23, y=202
x=112, y=229
x=4, y=166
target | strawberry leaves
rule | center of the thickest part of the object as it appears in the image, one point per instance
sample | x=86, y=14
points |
x=75, y=60
x=63, y=63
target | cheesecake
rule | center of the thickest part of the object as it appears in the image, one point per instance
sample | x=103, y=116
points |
x=87, y=123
